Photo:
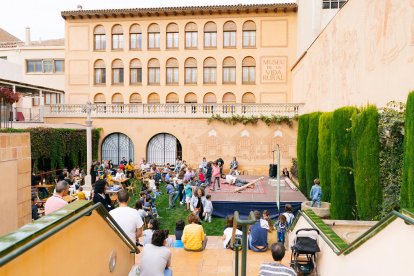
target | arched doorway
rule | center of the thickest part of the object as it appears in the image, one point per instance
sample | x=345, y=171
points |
x=115, y=146
x=163, y=148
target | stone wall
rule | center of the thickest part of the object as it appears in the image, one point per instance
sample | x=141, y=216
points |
x=15, y=169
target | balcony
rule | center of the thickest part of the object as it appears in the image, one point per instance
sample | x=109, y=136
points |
x=171, y=110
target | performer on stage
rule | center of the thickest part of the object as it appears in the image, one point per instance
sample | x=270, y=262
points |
x=233, y=180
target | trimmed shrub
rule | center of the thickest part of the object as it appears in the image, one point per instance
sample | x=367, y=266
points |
x=407, y=188
x=311, y=166
x=303, y=126
x=366, y=146
x=324, y=154
x=342, y=178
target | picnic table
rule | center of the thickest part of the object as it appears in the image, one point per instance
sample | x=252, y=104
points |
x=69, y=198
x=48, y=188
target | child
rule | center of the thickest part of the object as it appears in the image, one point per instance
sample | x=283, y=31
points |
x=80, y=194
x=201, y=179
x=179, y=228
x=208, y=174
x=35, y=212
x=228, y=232
x=281, y=228
x=208, y=209
x=266, y=222
x=188, y=194
x=170, y=192
x=316, y=193
x=216, y=176
x=152, y=225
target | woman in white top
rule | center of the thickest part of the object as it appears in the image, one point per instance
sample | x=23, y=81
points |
x=156, y=257
x=152, y=226
x=228, y=232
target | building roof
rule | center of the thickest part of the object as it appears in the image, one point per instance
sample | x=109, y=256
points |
x=8, y=40
x=280, y=6
x=50, y=42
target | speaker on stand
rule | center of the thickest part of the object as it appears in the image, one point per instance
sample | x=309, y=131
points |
x=273, y=170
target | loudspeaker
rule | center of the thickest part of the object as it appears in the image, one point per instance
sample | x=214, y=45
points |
x=273, y=170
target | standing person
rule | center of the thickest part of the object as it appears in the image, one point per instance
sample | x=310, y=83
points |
x=201, y=178
x=289, y=214
x=203, y=164
x=220, y=163
x=193, y=237
x=208, y=210
x=316, y=193
x=156, y=258
x=92, y=172
x=216, y=176
x=178, y=164
x=209, y=173
x=170, y=192
x=101, y=196
x=276, y=268
x=56, y=201
x=127, y=218
x=281, y=228
x=188, y=189
x=198, y=203
x=234, y=165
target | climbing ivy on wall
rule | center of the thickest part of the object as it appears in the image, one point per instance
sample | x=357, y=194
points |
x=253, y=120
x=324, y=154
x=55, y=148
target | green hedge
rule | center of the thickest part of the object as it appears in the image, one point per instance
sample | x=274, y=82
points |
x=342, y=179
x=324, y=154
x=303, y=126
x=55, y=148
x=366, y=145
x=407, y=187
x=311, y=166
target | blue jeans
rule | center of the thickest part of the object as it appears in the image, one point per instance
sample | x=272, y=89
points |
x=254, y=248
x=318, y=201
x=167, y=272
x=281, y=237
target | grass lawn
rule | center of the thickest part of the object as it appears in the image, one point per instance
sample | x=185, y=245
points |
x=170, y=217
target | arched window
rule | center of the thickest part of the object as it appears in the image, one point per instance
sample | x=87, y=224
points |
x=249, y=70
x=229, y=100
x=209, y=101
x=117, y=37
x=210, y=35
x=172, y=98
x=153, y=36
x=135, y=37
x=153, y=98
x=190, y=98
x=163, y=148
x=117, y=72
x=99, y=38
x=135, y=71
x=229, y=34
x=210, y=70
x=191, y=35
x=117, y=98
x=248, y=98
x=135, y=98
x=116, y=146
x=153, y=71
x=190, y=66
x=229, y=70
x=100, y=72
x=172, y=36
x=172, y=71
x=249, y=34
x=99, y=99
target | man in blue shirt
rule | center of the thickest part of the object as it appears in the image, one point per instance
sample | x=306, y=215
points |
x=170, y=192
x=258, y=235
x=316, y=192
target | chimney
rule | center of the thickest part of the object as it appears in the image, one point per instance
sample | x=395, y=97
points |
x=27, y=40
x=79, y=7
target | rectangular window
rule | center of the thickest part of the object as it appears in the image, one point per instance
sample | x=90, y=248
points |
x=191, y=75
x=100, y=76
x=229, y=39
x=59, y=66
x=47, y=98
x=190, y=39
x=210, y=40
x=172, y=75
x=35, y=101
x=229, y=74
x=249, y=74
x=47, y=66
x=3, y=57
x=153, y=40
x=154, y=75
x=172, y=40
x=34, y=66
x=117, y=41
x=117, y=76
x=135, y=41
x=333, y=4
x=136, y=75
x=210, y=75
x=100, y=42
x=249, y=39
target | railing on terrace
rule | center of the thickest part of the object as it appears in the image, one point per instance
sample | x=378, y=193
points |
x=172, y=110
x=34, y=114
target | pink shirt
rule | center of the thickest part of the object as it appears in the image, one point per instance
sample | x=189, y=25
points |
x=216, y=171
x=54, y=203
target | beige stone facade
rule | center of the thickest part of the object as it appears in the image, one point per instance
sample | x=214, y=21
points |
x=15, y=167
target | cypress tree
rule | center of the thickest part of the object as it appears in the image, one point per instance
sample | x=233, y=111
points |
x=311, y=166
x=365, y=149
x=303, y=125
x=324, y=154
x=407, y=187
x=342, y=178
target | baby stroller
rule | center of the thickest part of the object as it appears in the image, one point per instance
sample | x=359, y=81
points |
x=304, y=249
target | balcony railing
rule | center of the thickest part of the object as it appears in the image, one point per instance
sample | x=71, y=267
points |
x=171, y=110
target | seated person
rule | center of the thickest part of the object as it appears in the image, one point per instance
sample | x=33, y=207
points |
x=80, y=194
x=179, y=228
x=258, y=235
x=35, y=213
x=152, y=225
x=285, y=173
x=119, y=175
x=193, y=237
x=156, y=258
x=101, y=196
x=228, y=232
x=142, y=213
x=276, y=268
x=130, y=169
x=234, y=165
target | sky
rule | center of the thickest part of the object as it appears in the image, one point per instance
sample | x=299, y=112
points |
x=43, y=16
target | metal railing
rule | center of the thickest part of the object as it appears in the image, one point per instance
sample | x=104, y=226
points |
x=34, y=114
x=172, y=110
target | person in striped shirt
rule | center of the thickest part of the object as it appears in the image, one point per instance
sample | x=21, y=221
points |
x=276, y=268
